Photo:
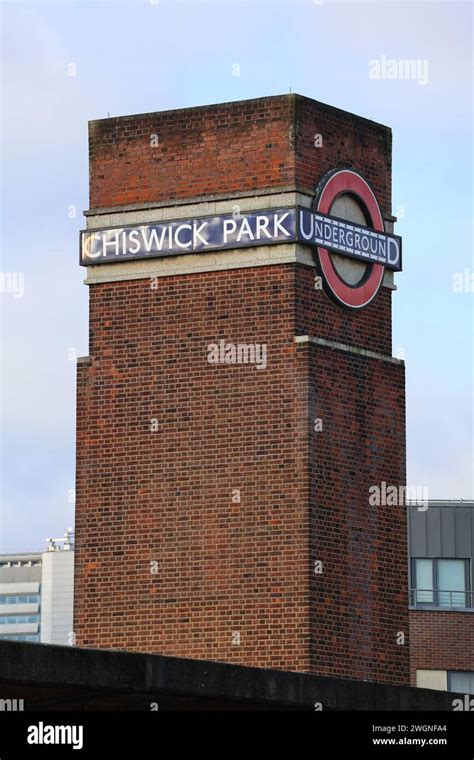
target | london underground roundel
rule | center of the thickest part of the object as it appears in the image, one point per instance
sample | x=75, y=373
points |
x=334, y=185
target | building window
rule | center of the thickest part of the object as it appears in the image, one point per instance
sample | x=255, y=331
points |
x=21, y=637
x=463, y=683
x=18, y=619
x=440, y=583
x=19, y=598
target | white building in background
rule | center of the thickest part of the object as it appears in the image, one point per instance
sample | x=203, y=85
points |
x=36, y=593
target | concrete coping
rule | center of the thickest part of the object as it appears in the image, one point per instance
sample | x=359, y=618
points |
x=335, y=346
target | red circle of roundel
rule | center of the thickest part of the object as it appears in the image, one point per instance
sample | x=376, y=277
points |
x=354, y=296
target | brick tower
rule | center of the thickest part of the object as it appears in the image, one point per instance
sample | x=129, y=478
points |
x=233, y=414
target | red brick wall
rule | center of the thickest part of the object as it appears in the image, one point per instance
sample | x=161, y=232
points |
x=232, y=147
x=370, y=328
x=166, y=496
x=347, y=140
x=441, y=641
x=358, y=602
x=209, y=150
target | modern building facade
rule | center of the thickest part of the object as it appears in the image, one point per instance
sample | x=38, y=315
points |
x=36, y=594
x=240, y=397
x=441, y=551
x=20, y=583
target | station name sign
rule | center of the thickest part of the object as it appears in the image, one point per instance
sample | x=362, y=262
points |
x=214, y=233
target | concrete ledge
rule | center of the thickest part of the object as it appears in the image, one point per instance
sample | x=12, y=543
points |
x=140, y=213
x=462, y=610
x=261, y=256
x=243, y=258
x=307, y=339
x=56, y=677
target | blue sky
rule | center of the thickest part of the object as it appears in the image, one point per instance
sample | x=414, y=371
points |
x=144, y=56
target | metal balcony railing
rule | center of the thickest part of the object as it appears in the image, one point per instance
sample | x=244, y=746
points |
x=451, y=600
